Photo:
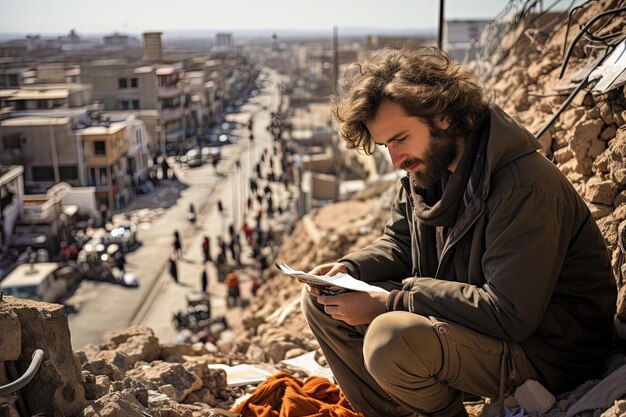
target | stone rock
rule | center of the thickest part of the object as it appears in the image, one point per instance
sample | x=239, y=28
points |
x=90, y=351
x=163, y=373
x=294, y=353
x=203, y=395
x=81, y=357
x=139, y=343
x=95, y=386
x=102, y=367
x=58, y=385
x=608, y=133
x=176, y=349
x=618, y=409
x=620, y=199
x=601, y=164
x=256, y=353
x=619, y=176
x=10, y=347
x=600, y=191
x=563, y=155
x=599, y=211
x=605, y=112
x=115, y=404
x=169, y=390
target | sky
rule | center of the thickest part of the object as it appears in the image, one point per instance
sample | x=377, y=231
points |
x=136, y=16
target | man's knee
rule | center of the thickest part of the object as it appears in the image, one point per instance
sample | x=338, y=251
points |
x=399, y=342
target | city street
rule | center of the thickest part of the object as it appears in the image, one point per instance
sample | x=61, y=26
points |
x=103, y=307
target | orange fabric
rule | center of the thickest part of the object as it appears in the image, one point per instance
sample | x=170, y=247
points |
x=282, y=395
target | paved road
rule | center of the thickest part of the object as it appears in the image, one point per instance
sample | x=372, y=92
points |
x=104, y=307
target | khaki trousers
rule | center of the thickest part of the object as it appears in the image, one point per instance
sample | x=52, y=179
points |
x=404, y=364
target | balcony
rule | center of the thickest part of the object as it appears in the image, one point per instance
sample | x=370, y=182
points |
x=169, y=91
x=39, y=209
x=171, y=114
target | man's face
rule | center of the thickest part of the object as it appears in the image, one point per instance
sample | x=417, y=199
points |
x=423, y=151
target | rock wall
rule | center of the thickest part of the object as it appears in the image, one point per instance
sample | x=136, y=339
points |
x=56, y=389
x=588, y=140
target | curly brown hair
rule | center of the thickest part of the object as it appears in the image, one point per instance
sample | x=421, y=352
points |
x=424, y=81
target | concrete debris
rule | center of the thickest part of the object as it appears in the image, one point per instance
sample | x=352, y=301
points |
x=533, y=397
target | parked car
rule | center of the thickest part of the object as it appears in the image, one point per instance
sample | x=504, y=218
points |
x=193, y=158
x=46, y=281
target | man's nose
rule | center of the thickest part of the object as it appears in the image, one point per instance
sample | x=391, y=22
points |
x=396, y=157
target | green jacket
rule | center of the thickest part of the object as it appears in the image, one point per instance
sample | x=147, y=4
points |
x=526, y=264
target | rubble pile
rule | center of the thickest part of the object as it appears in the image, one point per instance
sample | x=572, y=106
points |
x=132, y=366
x=273, y=328
x=588, y=139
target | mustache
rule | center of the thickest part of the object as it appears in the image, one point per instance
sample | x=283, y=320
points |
x=410, y=162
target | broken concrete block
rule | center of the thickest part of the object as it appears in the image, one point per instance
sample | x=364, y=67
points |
x=533, y=397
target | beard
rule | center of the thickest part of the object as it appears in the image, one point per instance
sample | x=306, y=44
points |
x=440, y=153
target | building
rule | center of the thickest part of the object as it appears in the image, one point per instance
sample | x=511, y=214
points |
x=105, y=147
x=152, y=46
x=11, y=201
x=119, y=85
x=46, y=97
x=78, y=147
x=224, y=41
x=461, y=36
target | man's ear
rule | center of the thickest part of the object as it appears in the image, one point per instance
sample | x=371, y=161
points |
x=442, y=121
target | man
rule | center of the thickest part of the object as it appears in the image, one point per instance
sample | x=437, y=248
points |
x=497, y=271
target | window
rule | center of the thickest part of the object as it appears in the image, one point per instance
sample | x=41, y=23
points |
x=123, y=105
x=122, y=83
x=43, y=174
x=11, y=142
x=135, y=105
x=103, y=176
x=68, y=172
x=42, y=104
x=99, y=147
x=134, y=83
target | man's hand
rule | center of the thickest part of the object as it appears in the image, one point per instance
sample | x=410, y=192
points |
x=329, y=269
x=353, y=307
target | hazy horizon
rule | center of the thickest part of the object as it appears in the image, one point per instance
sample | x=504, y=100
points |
x=236, y=16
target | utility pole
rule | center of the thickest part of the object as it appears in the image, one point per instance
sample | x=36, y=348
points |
x=336, y=58
x=441, y=23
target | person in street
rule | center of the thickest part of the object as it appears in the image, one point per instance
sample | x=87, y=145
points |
x=220, y=207
x=204, y=281
x=192, y=213
x=173, y=268
x=256, y=284
x=120, y=263
x=178, y=246
x=206, y=249
x=496, y=269
x=232, y=284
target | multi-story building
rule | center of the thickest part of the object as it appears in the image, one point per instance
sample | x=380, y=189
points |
x=79, y=147
x=105, y=147
x=46, y=96
x=11, y=200
x=122, y=86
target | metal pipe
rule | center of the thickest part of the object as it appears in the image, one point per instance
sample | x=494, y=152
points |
x=19, y=383
x=582, y=31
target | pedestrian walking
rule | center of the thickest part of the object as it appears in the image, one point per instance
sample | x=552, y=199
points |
x=204, y=281
x=220, y=207
x=206, y=249
x=249, y=203
x=232, y=283
x=120, y=263
x=270, y=206
x=173, y=268
x=253, y=186
x=234, y=250
x=178, y=246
